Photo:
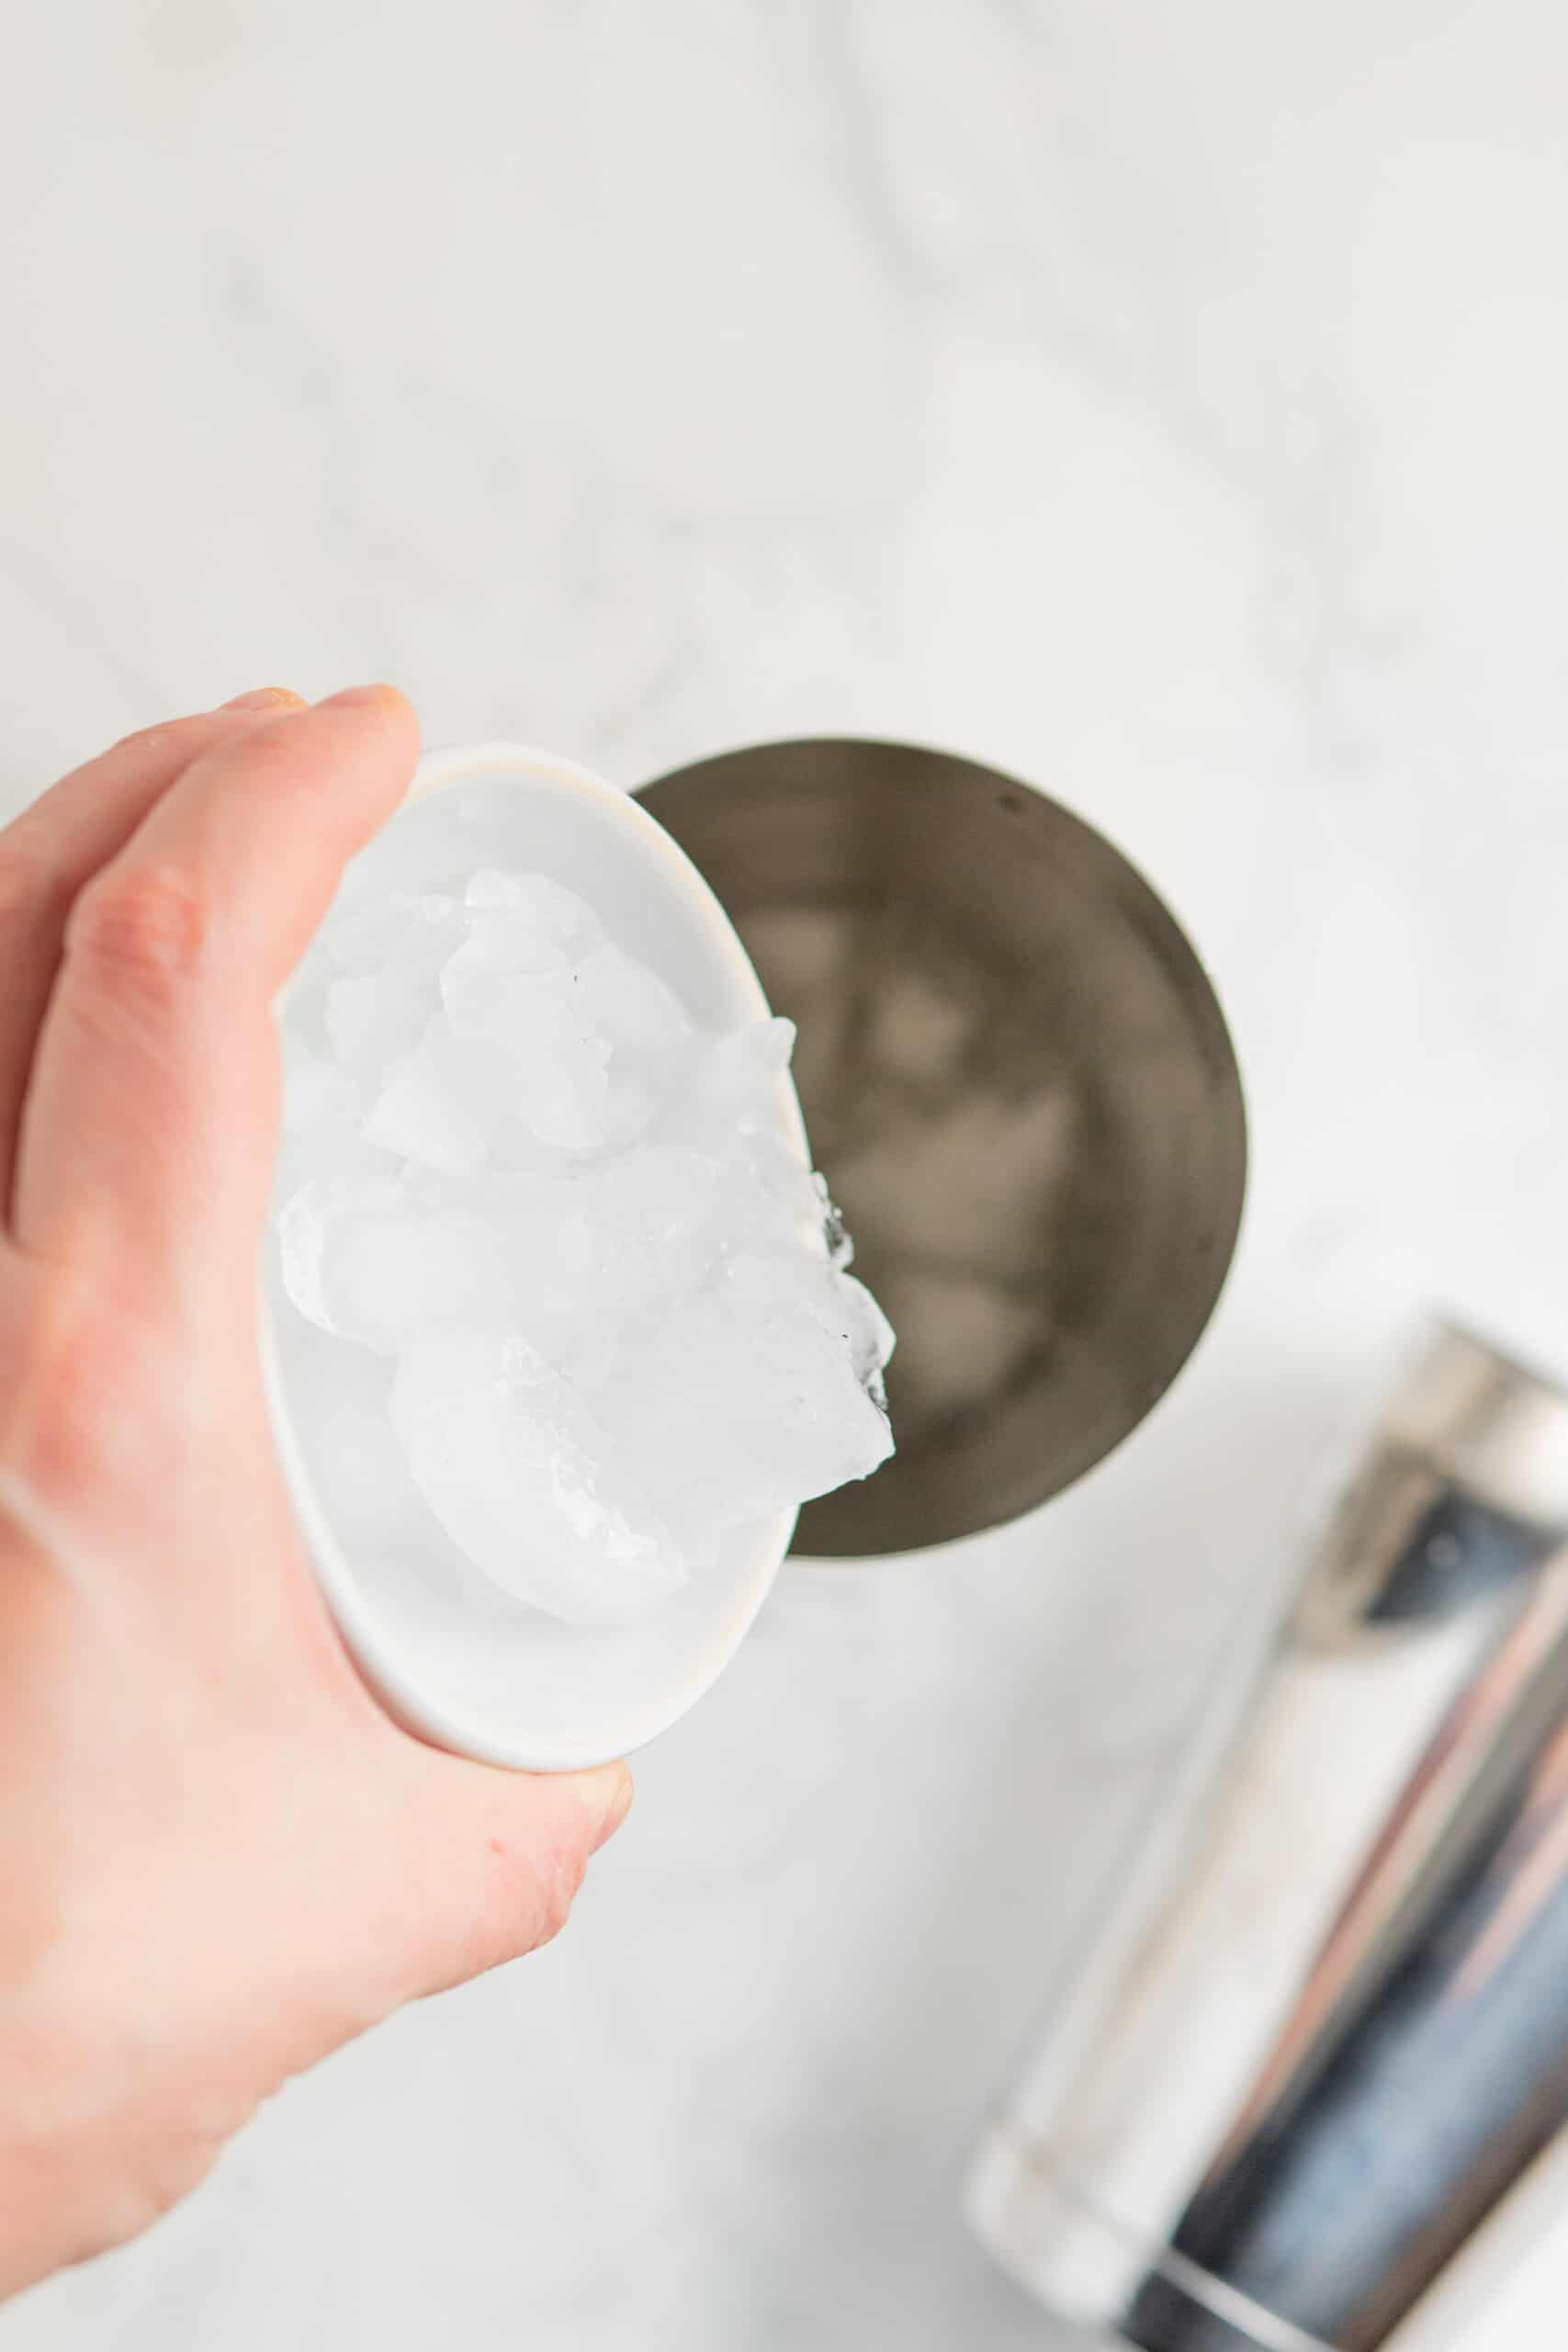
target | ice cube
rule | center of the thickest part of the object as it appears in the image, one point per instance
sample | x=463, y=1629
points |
x=405, y=860
x=371, y=1016
x=441, y=1104
x=771, y=1201
x=584, y=1255
x=808, y=957
x=301, y=1236
x=385, y=1273
x=738, y=1080
x=921, y=1030
x=541, y=919
x=485, y=990
x=424, y=1249
x=729, y=1086
x=564, y=1091
x=725, y=1415
x=977, y=1187
x=515, y=1468
x=553, y=1290
x=643, y=1018
x=647, y=1228
x=630, y=1106
x=560, y=1087
x=967, y=1342
x=843, y=1306
x=613, y=1293
x=315, y=1093
x=836, y=1234
x=412, y=931
x=304, y=1226
x=335, y=1150
x=870, y=1335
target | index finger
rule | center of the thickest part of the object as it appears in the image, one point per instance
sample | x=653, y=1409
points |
x=52, y=851
x=150, y=1122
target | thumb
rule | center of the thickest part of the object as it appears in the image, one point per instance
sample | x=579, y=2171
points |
x=499, y=1858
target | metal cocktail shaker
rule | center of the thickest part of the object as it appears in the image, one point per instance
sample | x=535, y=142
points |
x=1016, y=1074
x=1321, y=2050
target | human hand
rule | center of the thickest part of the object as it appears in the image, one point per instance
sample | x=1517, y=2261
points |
x=219, y=1858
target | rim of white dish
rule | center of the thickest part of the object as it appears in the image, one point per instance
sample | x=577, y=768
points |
x=392, y=1678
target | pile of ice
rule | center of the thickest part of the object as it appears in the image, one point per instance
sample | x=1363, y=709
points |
x=615, y=1302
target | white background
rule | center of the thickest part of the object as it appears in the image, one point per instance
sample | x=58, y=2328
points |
x=1164, y=400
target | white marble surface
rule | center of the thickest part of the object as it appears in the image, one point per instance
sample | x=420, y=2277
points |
x=1163, y=400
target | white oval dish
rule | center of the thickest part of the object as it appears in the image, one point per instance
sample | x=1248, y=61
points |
x=451, y=1656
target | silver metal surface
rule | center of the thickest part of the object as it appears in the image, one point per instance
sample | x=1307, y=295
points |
x=1018, y=1080
x=1326, y=2033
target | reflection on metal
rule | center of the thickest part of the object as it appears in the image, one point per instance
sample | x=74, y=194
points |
x=1329, y=2032
x=1018, y=1080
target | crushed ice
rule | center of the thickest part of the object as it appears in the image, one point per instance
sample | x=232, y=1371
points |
x=616, y=1307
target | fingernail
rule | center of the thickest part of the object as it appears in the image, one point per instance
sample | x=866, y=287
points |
x=620, y=1805
x=265, y=699
x=358, y=698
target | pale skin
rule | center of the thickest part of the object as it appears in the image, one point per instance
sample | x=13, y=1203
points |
x=218, y=1857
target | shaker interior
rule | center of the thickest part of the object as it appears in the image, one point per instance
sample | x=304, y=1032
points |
x=1020, y=1084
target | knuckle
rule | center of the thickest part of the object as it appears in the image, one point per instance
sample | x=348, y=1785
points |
x=141, y=924
x=80, y=1368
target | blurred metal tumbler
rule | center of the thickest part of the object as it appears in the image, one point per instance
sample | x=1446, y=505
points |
x=1322, y=2045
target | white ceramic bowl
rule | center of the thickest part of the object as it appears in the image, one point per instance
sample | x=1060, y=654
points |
x=448, y=1653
